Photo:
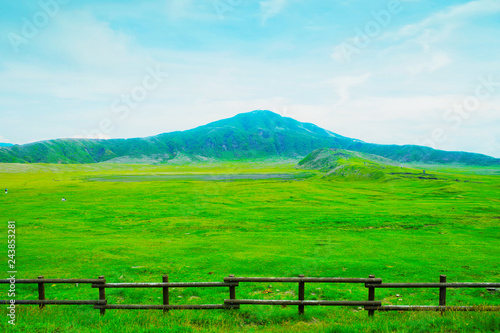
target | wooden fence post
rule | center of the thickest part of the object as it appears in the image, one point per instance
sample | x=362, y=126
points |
x=371, y=296
x=102, y=295
x=232, y=294
x=301, y=294
x=166, y=300
x=442, y=292
x=41, y=292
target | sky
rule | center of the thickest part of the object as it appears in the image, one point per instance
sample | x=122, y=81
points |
x=389, y=72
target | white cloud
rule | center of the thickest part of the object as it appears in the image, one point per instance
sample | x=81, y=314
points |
x=343, y=85
x=178, y=8
x=91, y=61
x=271, y=8
x=92, y=44
x=414, y=120
x=4, y=140
x=436, y=61
x=440, y=25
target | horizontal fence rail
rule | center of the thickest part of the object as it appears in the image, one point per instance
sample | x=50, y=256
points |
x=435, y=285
x=167, y=284
x=41, y=291
x=162, y=307
x=294, y=302
x=232, y=282
x=442, y=286
x=433, y=308
x=302, y=279
x=56, y=302
x=301, y=302
x=73, y=281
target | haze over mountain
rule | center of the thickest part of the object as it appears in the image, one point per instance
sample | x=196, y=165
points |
x=257, y=134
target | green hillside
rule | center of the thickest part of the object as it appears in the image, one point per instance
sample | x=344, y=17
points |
x=345, y=164
x=350, y=165
x=257, y=134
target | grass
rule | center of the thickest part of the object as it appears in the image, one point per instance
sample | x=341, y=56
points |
x=400, y=228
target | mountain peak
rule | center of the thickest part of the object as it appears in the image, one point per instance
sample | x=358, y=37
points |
x=274, y=122
x=261, y=113
x=258, y=114
x=253, y=121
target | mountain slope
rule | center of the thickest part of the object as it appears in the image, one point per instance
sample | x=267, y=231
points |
x=346, y=164
x=257, y=134
x=341, y=164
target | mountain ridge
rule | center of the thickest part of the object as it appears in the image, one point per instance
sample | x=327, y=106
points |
x=256, y=134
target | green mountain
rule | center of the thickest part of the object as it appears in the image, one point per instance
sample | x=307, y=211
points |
x=340, y=163
x=257, y=134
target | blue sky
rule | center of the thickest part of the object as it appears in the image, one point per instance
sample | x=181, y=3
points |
x=403, y=72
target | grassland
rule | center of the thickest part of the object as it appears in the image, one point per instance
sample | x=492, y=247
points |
x=400, y=228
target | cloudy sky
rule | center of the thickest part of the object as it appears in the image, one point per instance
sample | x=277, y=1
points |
x=403, y=72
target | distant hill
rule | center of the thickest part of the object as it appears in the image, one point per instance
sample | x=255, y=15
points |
x=351, y=165
x=257, y=134
x=346, y=164
x=5, y=144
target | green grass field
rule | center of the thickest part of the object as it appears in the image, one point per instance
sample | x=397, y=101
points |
x=136, y=223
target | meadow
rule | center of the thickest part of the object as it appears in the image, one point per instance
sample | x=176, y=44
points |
x=135, y=223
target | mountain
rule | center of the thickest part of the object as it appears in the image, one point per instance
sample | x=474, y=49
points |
x=5, y=144
x=257, y=134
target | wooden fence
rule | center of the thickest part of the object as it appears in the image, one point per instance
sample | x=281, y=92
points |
x=232, y=282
